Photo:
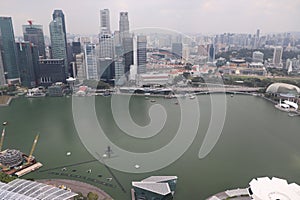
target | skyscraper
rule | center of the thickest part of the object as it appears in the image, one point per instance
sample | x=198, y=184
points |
x=60, y=14
x=2, y=76
x=177, y=49
x=141, y=54
x=124, y=25
x=106, y=57
x=127, y=53
x=277, y=56
x=26, y=61
x=58, y=42
x=106, y=47
x=211, y=53
x=34, y=34
x=91, y=61
x=104, y=22
x=8, y=50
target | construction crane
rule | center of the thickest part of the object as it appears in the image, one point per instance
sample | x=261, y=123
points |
x=33, y=148
x=2, y=139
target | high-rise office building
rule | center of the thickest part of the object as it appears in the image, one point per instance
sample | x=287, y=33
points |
x=141, y=54
x=124, y=25
x=26, y=63
x=8, y=50
x=51, y=71
x=211, y=53
x=90, y=55
x=60, y=14
x=106, y=48
x=34, y=34
x=80, y=66
x=257, y=56
x=127, y=53
x=119, y=72
x=104, y=22
x=58, y=42
x=277, y=56
x=2, y=75
x=177, y=50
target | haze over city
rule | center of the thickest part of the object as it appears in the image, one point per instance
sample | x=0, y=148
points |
x=194, y=16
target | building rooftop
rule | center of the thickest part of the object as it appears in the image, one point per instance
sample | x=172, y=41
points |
x=275, y=188
x=158, y=179
x=283, y=88
x=158, y=188
x=20, y=189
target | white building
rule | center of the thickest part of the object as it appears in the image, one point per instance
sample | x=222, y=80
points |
x=273, y=189
x=277, y=56
x=80, y=65
x=257, y=56
x=91, y=61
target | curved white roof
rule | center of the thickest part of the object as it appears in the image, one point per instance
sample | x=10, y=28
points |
x=283, y=88
x=294, y=105
x=275, y=188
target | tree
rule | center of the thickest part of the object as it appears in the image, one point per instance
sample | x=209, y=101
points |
x=92, y=196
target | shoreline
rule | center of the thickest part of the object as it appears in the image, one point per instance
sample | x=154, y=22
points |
x=7, y=100
x=77, y=187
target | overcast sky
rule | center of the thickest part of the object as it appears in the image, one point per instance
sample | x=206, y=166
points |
x=188, y=16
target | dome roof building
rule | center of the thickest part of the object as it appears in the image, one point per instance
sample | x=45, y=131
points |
x=283, y=88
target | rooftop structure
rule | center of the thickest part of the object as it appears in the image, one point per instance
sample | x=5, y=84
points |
x=20, y=189
x=283, y=88
x=275, y=188
x=155, y=187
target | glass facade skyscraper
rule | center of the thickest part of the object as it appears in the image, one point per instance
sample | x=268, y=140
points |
x=141, y=54
x=8, y=50
x=58, y=43
x=26, y=61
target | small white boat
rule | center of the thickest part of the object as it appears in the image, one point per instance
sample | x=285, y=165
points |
x=192, y=97
x=109, y=179
x=69, y=153
x=89, y=171
x=153, y=100
x=64, y=169
x=137, y=166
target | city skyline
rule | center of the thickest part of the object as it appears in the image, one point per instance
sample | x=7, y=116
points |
x=189, y=17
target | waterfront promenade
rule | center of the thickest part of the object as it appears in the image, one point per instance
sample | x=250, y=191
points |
x=77, y=186
x=236, y=194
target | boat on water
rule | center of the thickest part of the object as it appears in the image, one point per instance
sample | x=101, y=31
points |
x=153, y=100
x=34, y=93
x=192, y=96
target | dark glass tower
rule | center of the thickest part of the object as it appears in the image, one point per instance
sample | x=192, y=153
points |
x=26, y=62
x=34, y=34
x=141, y=54
x=8, y=50
x=127, y=53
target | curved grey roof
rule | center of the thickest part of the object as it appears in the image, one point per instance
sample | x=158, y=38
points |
x=283, y=88
x=20, y=189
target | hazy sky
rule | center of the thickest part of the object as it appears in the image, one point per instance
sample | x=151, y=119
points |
x=196, y=16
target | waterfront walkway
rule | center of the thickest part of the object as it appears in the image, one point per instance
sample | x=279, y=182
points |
x=5, y=100
x=77, y=186
x=236, y=194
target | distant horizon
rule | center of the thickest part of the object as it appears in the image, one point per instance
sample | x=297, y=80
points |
x=194, y=16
